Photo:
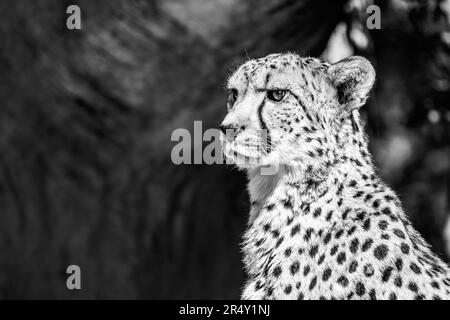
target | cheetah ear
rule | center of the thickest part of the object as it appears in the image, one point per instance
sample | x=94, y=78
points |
x=352, y=77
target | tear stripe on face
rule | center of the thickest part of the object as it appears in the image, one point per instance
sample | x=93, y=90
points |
x=264, y=126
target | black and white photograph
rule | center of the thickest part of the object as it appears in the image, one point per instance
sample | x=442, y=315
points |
x=231, y=150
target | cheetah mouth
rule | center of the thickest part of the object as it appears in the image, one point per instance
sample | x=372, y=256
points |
x=247, y=148
x=241, y=156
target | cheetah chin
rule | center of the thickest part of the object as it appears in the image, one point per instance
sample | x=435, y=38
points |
x=322, y=225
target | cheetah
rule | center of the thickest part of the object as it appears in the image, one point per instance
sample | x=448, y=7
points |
x=322, y=225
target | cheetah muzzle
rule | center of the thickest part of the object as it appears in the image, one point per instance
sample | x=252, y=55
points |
x=323, y=225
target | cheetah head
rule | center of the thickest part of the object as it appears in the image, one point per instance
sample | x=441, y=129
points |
x=288, y=110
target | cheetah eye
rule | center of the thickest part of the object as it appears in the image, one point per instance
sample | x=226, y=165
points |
x=276, y=95
x=232, y=97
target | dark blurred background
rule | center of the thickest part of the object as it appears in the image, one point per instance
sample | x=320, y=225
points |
x=86, y=118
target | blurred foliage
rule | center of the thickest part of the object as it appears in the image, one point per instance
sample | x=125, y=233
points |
x=86, y=119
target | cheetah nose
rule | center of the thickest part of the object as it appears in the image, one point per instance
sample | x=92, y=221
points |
x=232, y=126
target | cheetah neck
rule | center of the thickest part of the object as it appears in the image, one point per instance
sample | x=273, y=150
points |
x=351, y=162
x=298, y=187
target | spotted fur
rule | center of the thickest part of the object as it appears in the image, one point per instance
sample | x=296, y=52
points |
x=323, y=226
